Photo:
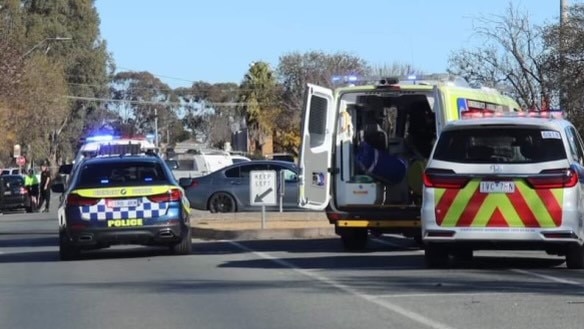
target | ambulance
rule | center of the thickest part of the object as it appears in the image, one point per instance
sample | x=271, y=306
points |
x=365, y=146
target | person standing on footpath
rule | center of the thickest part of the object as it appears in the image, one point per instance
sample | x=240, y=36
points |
x=45, y=186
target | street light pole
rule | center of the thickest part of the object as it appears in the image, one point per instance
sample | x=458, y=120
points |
x=42, y=42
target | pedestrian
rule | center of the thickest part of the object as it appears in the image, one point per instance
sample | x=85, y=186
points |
x=45, y=186
x=31, y=183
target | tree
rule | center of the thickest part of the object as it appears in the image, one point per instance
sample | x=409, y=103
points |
x=394, y=70
x=295, y=70
x=85, y=59
x=209, y=109
x=259, y=95
x=142, y=97
x=565, y=63
x=512, y=58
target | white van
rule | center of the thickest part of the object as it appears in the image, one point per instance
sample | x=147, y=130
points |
x=206, y=162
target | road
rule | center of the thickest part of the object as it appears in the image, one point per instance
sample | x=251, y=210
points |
x=275, y=284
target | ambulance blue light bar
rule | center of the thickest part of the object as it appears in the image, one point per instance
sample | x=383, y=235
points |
x=479, y=114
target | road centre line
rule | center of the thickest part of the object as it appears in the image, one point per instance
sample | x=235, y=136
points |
x=548, y=277
x=416, y=317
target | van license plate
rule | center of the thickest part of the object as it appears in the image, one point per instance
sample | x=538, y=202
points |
x=497, y=187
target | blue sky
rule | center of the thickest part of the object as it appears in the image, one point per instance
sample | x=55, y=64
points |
x=183, y=41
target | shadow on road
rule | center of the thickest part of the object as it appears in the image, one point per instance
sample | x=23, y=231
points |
x=15, y=241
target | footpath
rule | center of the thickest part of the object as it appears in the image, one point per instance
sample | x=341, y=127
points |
x=248, y=225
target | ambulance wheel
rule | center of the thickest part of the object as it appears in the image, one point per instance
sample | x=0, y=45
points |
x=464, y=255
x=222, y=202
x=66, y=250
x=354, y=239
x=575, y=257
x=436, y=256
x=184, y=247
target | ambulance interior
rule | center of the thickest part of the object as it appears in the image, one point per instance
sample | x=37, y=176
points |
x=383, y=142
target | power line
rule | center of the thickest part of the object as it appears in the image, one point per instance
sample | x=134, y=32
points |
x=227, y=104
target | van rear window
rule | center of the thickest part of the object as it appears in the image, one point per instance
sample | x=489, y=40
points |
x=500, y=145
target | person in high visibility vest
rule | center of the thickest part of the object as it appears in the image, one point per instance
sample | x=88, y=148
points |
x=31, y=183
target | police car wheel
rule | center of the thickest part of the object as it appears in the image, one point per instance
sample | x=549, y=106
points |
x=184, y=247
x=436, y=256
x=66, y=250
x=222, y=202
x=575, y=257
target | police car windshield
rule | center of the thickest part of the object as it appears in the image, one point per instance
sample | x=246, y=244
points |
x=121, y=174
x=500, y=145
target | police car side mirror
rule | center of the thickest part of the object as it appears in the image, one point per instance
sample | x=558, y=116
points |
x=185, y=182
x=65, y=169
x=58, y=188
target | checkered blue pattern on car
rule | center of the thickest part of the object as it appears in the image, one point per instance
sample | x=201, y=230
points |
x=145, y=209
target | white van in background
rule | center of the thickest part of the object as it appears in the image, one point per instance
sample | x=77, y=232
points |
x=200, y=164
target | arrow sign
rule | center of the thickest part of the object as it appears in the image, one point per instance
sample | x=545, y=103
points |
x=259, y=197
x=262, y=187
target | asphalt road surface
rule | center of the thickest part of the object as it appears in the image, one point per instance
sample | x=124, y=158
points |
x=275, y=284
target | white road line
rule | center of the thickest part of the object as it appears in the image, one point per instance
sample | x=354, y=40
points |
x=419, y=318
x=548, y=277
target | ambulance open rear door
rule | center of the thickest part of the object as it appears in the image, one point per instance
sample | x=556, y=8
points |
x=316, y=150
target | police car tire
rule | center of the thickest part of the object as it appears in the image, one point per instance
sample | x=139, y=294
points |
x=184, y=247
x=354, y=239
x=436, y=256
x=66, y=250
x=575, y=257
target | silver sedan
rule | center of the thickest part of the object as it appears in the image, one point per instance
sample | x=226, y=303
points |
x=228, y=189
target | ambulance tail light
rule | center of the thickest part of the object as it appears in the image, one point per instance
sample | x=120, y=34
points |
x=77, y=200
x=444, y=178
x=554, y=178
x=170, y=196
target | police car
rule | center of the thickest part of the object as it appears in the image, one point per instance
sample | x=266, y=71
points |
x=505, y=183
x=122, y=195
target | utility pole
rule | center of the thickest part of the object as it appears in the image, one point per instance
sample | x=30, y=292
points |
x=562, y=45
x=156, y=127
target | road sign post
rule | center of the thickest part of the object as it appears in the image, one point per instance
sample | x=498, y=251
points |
x=262, y=190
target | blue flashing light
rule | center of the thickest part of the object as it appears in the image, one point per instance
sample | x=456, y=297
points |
x=344, y=78
x=148, y=179
x=150, y=136
x=412, y=77
x=104, y=181
x=100, y=138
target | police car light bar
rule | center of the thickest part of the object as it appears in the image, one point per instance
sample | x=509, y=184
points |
x=99, y=138
x=546, y=114
x=119, y=149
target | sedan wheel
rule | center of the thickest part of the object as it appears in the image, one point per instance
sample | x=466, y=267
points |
x=222, y=202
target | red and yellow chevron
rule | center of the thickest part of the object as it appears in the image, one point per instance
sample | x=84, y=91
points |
x=526, y=207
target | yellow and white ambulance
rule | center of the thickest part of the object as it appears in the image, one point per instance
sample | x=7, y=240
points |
x=365, y=146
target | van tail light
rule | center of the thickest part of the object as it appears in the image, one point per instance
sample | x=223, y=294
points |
x=444, y=178
x=170, y=196
x=555, y=178
x=77, y=200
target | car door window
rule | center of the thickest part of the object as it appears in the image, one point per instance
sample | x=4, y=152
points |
x=233, y=173
x=575, y=145
x=246, y=169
